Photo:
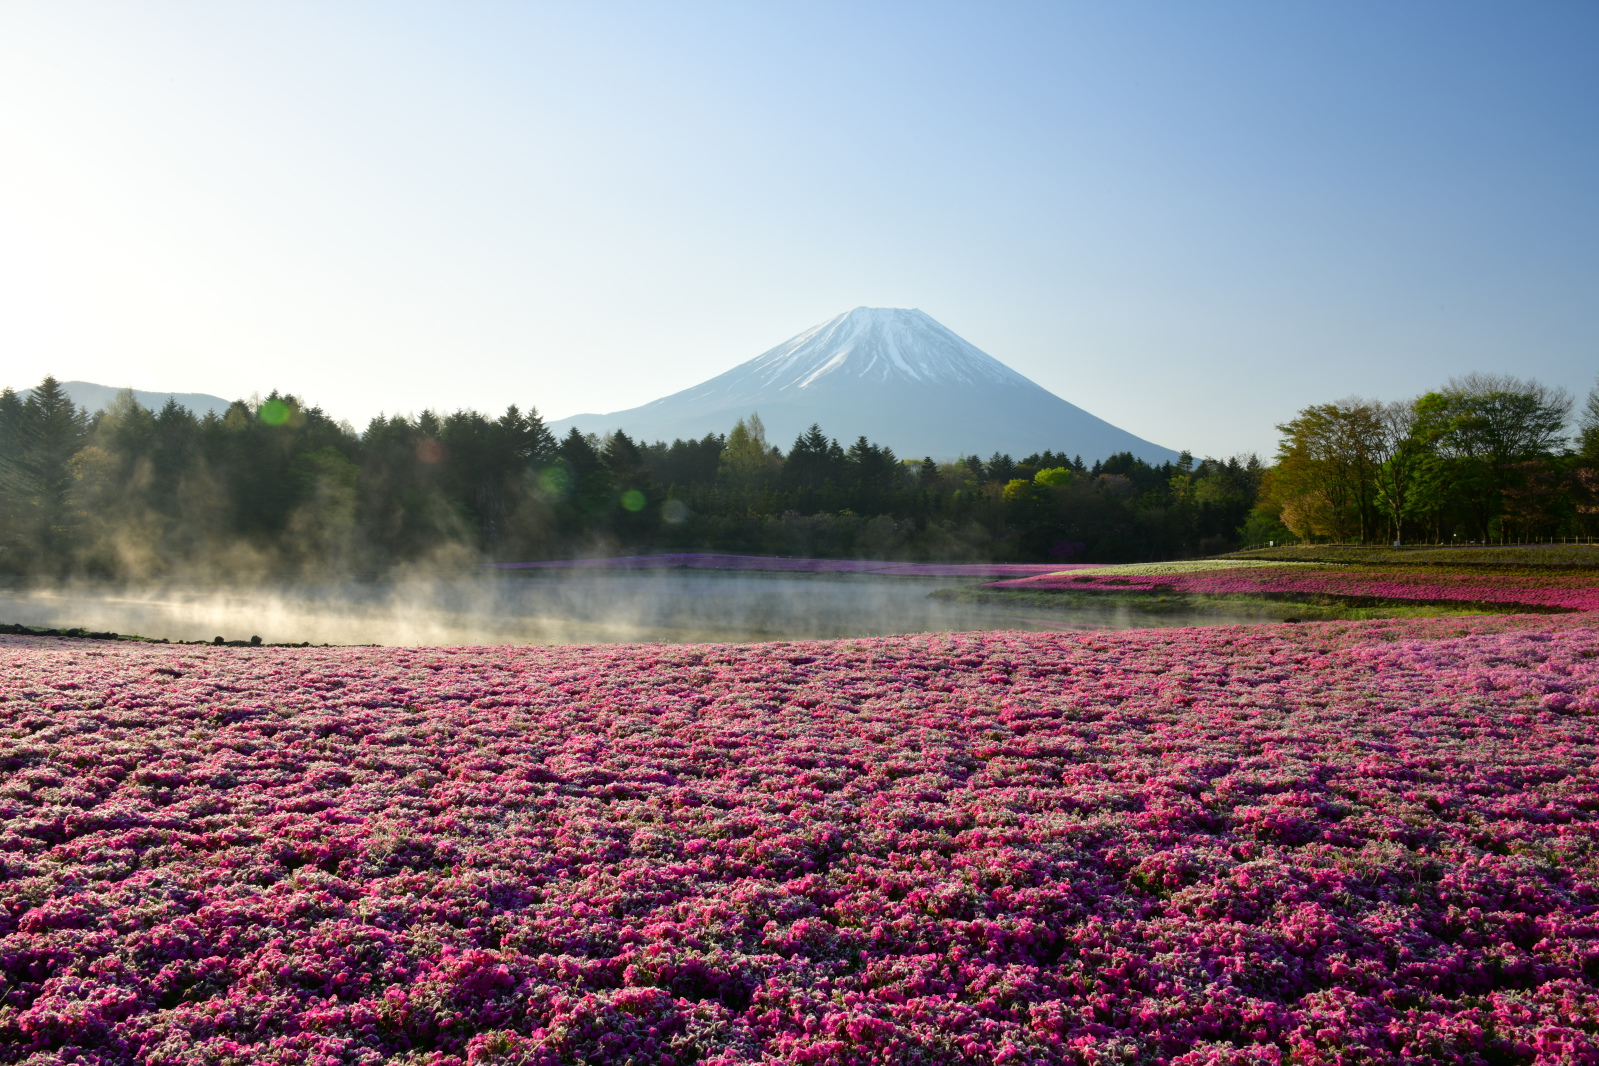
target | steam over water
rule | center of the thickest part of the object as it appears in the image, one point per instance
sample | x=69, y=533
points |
x=556, y=608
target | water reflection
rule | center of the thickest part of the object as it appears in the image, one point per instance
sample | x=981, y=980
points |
x=560, y=608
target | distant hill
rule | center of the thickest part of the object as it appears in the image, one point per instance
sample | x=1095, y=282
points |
x=893, y=374
x=92, y=398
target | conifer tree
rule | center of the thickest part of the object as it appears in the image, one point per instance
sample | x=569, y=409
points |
x=49, y=433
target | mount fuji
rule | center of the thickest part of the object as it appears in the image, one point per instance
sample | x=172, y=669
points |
x=893, y=374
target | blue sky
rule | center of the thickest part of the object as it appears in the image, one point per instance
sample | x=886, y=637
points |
x=1189, y=219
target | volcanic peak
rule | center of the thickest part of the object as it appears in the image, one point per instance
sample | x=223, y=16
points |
x=876, y=344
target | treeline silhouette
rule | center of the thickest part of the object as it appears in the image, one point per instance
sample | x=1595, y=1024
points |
x=1486, y=458
x=277, y=484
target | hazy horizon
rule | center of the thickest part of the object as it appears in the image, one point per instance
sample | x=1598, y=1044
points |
x=1189, y=223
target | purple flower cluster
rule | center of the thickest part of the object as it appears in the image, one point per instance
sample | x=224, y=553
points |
x=719, y=561
x=1337, y=843
x=1573, y=590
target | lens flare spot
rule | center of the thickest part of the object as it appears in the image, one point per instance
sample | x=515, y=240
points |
x=633, y=500
x=430, y=451
x=273, y=412
x=674, y=511
x=555, y=481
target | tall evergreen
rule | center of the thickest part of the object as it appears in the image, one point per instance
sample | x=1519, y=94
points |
x=588, y=486
x=813, y=461
x=15, y=543
x=49, y=433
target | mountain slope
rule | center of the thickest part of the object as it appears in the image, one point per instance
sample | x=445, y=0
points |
x=91, y=397
x=893, y=374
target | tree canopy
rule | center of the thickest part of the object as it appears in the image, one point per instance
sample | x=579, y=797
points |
x=275, y=483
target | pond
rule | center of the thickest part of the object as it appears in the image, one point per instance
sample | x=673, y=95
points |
x=544, y=607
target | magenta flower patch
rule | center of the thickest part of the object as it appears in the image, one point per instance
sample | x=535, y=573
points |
x=1575, y=590
x=1339, y=843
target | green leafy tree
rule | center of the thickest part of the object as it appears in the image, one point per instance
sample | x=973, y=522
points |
x=321, y=529
x=1404, y=466
x=1585, y=477
x=121, y=524
x=1055, y=475
x=1326, y=465
x=749, y=463
x=1491, y=433
x=1588, y=428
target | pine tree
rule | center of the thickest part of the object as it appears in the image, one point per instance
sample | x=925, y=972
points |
x=13, y=536
x=810, y=463
x=588, y=484
x=50, y=433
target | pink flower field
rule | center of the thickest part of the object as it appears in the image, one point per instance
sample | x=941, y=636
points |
x=1565, y=590
x=1337, y=843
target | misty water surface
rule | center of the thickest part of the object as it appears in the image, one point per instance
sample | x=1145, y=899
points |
x=557, y=608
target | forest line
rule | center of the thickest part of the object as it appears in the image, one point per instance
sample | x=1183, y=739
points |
x=277, y=484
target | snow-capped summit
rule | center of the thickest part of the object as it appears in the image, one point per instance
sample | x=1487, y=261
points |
x=893, y=374
x=877, y=344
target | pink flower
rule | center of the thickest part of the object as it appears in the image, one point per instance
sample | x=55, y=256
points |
x=1320, y=843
